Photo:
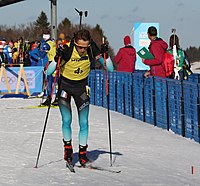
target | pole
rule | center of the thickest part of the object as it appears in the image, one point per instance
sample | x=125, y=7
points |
x=176, y=60
x=81, y=16
x=47, y=115
x=108, y=104
x=54, y=19
x=41, y=142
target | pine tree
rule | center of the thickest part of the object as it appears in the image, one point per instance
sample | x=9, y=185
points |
x=65, y=27
x=42, y=25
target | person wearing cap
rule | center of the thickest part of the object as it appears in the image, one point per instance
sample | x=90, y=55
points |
x=38, y=55
x=59, y=46
x=7, y=50
x=3, y=57
x=157, y=48
x=126, y=57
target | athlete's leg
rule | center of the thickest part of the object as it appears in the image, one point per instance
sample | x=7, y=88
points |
x=82, y=104
x=66, y=113
x=83, y=122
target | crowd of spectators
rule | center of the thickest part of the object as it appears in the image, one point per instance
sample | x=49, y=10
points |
x=30, y=53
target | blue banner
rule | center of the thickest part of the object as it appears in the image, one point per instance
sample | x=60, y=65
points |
x=34, y=77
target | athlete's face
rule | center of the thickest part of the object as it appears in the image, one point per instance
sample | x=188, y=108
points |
x=81, y=46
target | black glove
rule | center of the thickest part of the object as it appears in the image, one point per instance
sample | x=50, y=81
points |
x=60, y=51
x=104, y=48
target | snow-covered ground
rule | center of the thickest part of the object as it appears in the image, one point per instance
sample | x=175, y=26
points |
x=195, y=67
x=146, y=155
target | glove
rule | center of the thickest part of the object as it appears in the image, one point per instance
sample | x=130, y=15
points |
x=104, y=48
x=109, y=64
x=60, y=51
x=51, y=68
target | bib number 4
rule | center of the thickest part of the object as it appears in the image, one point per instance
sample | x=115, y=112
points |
x=78, y=71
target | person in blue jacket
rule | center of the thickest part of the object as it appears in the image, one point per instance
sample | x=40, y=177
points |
x=38, y=56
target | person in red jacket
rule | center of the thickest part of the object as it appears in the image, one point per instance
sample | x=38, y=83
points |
x=126, y=57
x=157, y=47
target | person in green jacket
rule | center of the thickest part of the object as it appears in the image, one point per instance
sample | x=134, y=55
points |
x=182, y=60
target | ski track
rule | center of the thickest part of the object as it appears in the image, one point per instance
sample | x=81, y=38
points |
x=146, y=155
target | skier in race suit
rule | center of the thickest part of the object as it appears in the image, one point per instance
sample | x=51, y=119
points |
x=74, y=71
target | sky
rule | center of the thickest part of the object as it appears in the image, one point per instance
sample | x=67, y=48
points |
x=117, y=17
x=146, y=155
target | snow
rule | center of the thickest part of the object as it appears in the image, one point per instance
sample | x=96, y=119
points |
x=195, y=67
x=146, y=155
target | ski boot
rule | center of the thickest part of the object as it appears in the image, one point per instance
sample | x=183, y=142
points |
x=47, y=102
x=83, y=159
x=68, y=151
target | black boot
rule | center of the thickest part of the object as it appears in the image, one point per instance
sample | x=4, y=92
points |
x=47, y=102
x=83, y=159
x=68, y=151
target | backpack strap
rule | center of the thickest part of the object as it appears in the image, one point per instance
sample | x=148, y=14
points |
x=92, y=52
x=68, y=52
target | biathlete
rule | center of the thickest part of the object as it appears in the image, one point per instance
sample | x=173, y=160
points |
x=77, y=59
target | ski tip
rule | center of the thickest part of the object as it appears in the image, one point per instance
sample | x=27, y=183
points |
x=70, y=167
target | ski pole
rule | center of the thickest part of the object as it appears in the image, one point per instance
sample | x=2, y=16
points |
x=176, y=68
x=108, y=104
x=41, y=142
x=46, y=119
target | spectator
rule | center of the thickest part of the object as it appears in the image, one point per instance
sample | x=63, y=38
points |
x=126, y=57
x=157, y=47
x=59, y=47
x=3, y=57
x=51, y=54
x=8, y=51
x=20, y=49
x=182, y=60
x=38, y=55
x=27, y=48
x=15, y=53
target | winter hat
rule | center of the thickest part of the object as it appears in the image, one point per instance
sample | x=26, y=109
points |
x=3, y=39
x=1, y=46
x=46, y=47
x=127, y=40
x=46, y=36
x=11, y=43
x=3, y=42
x=62, y=36
x=33, y=46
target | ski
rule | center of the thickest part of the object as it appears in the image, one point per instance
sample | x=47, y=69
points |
x=98, y=168
x=70, y=167
x=32, y=107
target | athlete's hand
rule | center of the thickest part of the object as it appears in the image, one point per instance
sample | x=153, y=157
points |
x=104, y=48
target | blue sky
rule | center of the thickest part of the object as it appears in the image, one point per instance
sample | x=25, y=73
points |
x=117, y=17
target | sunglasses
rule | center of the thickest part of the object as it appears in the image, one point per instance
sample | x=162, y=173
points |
x=81, y=47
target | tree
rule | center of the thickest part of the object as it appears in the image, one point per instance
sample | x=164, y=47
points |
x=42, y=25
x=65, y=27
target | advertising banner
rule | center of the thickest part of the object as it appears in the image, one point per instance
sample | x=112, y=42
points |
x=34, y=77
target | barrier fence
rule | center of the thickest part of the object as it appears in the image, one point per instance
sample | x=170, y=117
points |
x=20, y=80
x=166, y=103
